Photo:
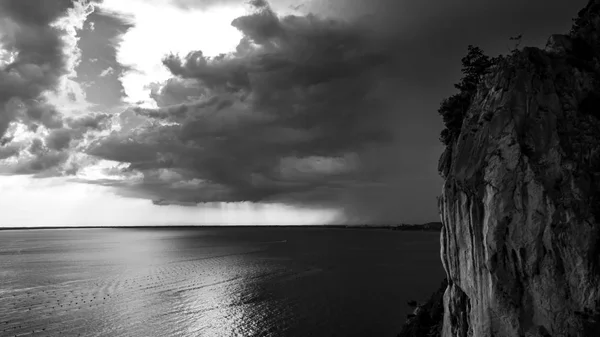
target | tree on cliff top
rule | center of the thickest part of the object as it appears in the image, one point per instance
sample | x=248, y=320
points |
x=453, y=109
x=475, y=64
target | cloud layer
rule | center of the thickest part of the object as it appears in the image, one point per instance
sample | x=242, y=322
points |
x=304, y=109
x=286, y=117
x=39, y=55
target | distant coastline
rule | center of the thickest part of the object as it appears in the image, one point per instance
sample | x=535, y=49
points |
x=430, y=227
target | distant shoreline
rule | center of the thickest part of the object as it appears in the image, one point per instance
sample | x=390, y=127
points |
x=428, y=227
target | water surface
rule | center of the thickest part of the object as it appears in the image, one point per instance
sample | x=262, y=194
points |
x=213, y=281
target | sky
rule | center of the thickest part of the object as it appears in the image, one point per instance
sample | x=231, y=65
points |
x=160, y=112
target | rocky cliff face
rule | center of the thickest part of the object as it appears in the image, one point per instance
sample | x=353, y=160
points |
x=521, y=199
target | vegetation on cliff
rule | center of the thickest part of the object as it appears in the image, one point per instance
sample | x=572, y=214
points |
x=453, y=109
x=426, y=320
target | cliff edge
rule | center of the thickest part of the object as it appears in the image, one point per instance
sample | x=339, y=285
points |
x=521, y=197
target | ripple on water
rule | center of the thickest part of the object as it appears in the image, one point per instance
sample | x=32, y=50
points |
x=136, y=283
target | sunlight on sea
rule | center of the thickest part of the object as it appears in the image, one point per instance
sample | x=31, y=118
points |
x=212, y=282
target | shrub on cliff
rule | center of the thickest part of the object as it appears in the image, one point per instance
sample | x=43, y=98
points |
x=428, y=317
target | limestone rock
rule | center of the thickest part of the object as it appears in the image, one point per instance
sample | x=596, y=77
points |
x=521, y=198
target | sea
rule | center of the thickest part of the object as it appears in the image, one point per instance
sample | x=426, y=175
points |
x=229, y=281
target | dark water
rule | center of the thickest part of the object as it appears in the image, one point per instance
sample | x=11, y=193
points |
x=213, y=282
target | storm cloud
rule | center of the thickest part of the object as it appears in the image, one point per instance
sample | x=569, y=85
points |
x=98, y=55
x=286, y=115
x=333, y=110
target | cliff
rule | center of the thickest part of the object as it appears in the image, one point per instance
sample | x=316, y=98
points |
x=521, y=197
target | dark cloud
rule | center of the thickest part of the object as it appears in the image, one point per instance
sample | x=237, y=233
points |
x=163, y=202
x=98, y=52
x=258, y=3
x=43, y=162
x=9, y=151
x=36, y=147
x=367, y=83
x=262, y=26
x=176, y=91
x=50, y=155
x=58, y=139
x=298, y=89
x=25, y=30
x=307, y=110
x=44, y=114
x=33, y=13
x=28, y=32
x=94, y=121
x=40, y=157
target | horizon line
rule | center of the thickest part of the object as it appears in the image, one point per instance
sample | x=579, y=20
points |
x=374, y=226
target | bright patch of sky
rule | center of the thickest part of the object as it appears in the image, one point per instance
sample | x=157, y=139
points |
x=162, y=28
x=32, y=202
